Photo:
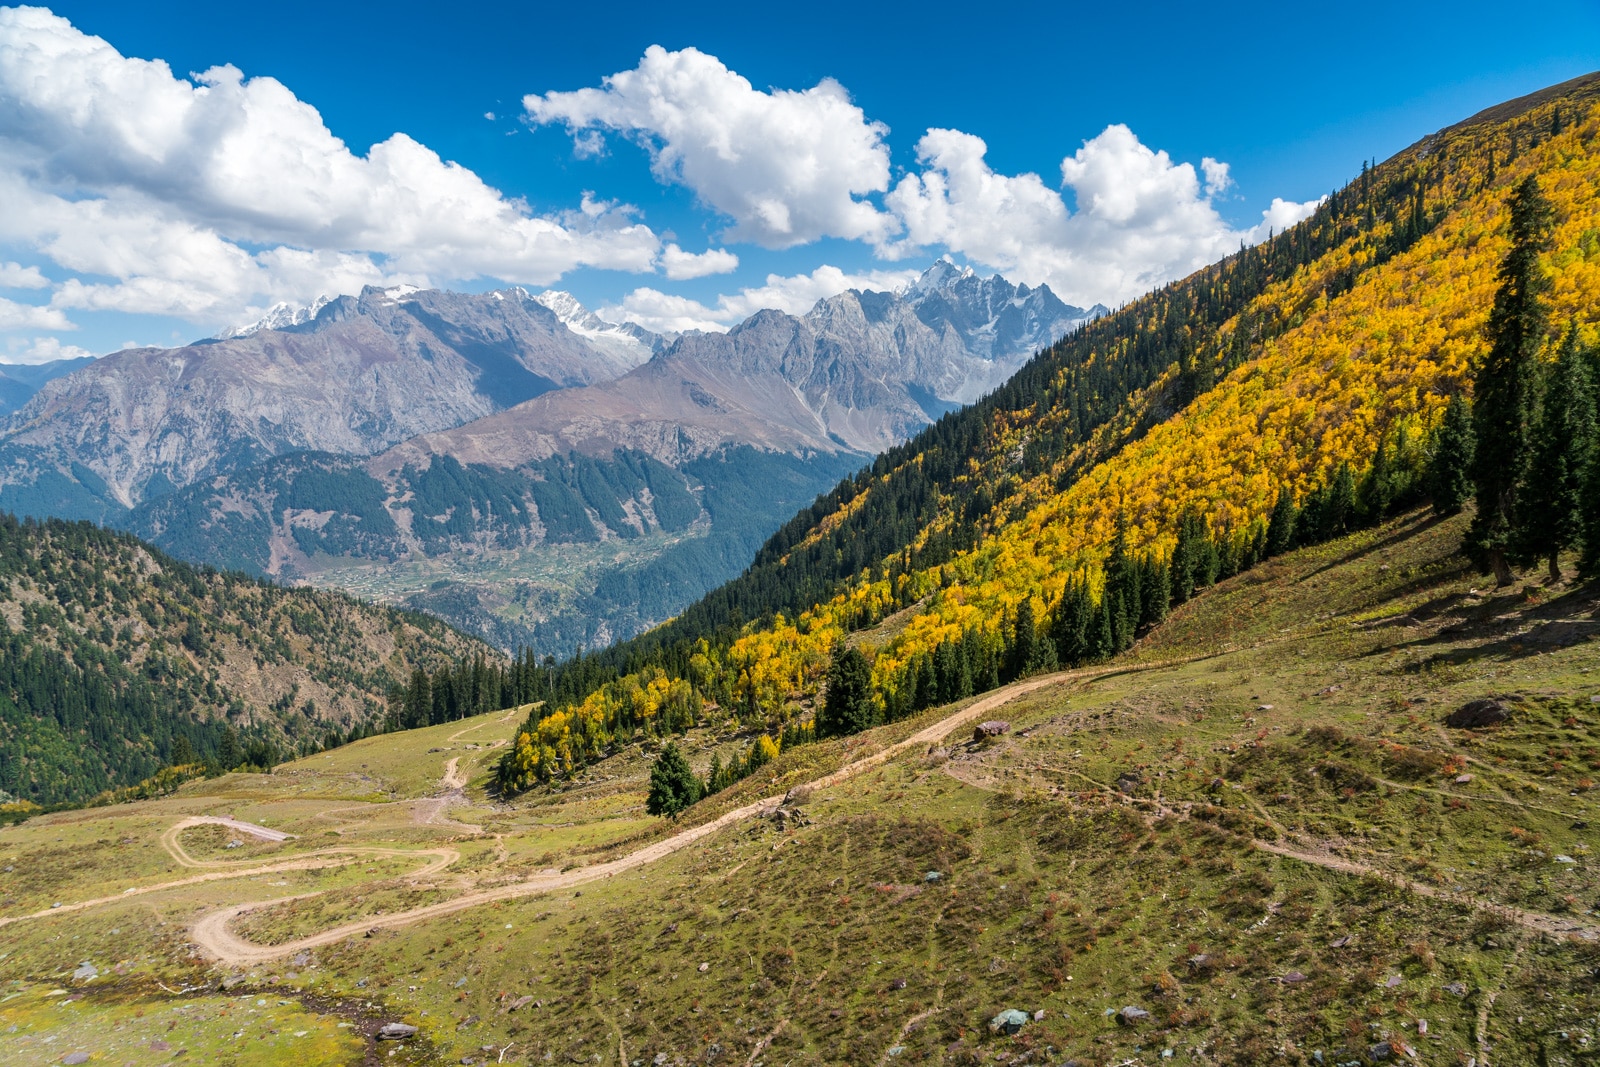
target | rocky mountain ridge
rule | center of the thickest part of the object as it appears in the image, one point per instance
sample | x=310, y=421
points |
x=365, y=373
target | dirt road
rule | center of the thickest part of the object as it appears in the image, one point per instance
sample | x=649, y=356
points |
x=215, y=939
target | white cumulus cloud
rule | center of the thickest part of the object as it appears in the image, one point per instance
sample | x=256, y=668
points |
x=201, y=197
x=787, y=166
x=1141, y=219
x=795, y=294
x=15, y=316
x=679, y=265
x=42, y=350
x=16, y=276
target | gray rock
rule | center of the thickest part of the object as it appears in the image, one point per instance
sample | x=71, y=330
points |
x=75, y=1057
x=932, y=876
x=1476, y=714
x=987, y=731
x=85, y=972
x=395, y=1031
x=1009, y=1021
x=1131, y=1015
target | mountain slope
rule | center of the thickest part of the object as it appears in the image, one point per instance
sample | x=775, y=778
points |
x=111, y=652
x=365, y=373
x=1264, y=373
x=18, y=382
x=690, y=460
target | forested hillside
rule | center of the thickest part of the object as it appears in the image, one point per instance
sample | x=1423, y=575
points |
x=116, y=660
x=1308, y=376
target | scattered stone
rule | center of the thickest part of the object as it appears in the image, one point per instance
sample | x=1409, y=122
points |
x=1381, y=1051
x=1458, y=988
x=301, y=960
x=1038, y=1016
x=1264, y=707
x=235, y=843
x=660, y=1060
x=1200, y=963
x=898, y=983
x=519, y=1003
x=895, y=1050
x=1558, y=859
x=1580, y=825
x=1476, y=714
x=395, y=1031
x=1128, y=781
x=361, y=984
x=1392, y=981
x=1130, y=1015
x=1009, y=1021
x=704, y=967
x=988, y=731
x=1293, y=978
x=1341, y=942
x=1422, y=1026
x=1463, y=779
x=86, y=972
x=932, y=876
x=159, y=1045
x=75, y=1057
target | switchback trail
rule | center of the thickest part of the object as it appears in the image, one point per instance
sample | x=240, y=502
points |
x=213, y=936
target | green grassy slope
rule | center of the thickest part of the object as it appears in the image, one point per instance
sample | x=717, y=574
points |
x=1194, y=831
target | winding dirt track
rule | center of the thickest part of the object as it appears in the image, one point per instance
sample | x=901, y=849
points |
x=216, y=940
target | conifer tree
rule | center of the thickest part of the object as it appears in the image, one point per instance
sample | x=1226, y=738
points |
x=1589, y=562
x=1450, y=469
x=1503, y=386
x=1341, y=501
x=847, y=707
x=1102, y=636
x=1549, y=516
x=1025, y=643
x=1280, y=528
x=673, y=785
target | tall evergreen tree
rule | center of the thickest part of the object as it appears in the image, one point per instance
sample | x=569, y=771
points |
x=847, y=706
x=1549, y=515
x=1450, y=468
x=1503, y=386
x=1280, y=528
x=1025, y=642
x=673, y=785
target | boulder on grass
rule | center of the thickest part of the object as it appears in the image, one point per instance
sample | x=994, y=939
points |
x=1131, y=1015
x=1476, y=714
x=988, y=731
x=1009, y=1021
x=395, y=1031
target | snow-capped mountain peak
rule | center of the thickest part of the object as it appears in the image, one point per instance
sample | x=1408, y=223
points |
x=626, y=338
x=277, y=317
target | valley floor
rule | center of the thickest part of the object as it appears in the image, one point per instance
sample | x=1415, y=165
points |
x=1254, y=831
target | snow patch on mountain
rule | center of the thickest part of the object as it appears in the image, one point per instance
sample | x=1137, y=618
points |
x=627, y=339
x=278, y=317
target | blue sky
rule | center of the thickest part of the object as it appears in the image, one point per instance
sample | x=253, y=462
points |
x=135, y=227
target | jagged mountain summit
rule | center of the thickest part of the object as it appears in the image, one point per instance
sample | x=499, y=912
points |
x=278, y=317
x=364, y=373
x=673, y=473
x=859, y=372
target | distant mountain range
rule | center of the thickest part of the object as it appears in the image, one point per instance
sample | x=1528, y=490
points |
x=20, y=381
x=380, y=440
